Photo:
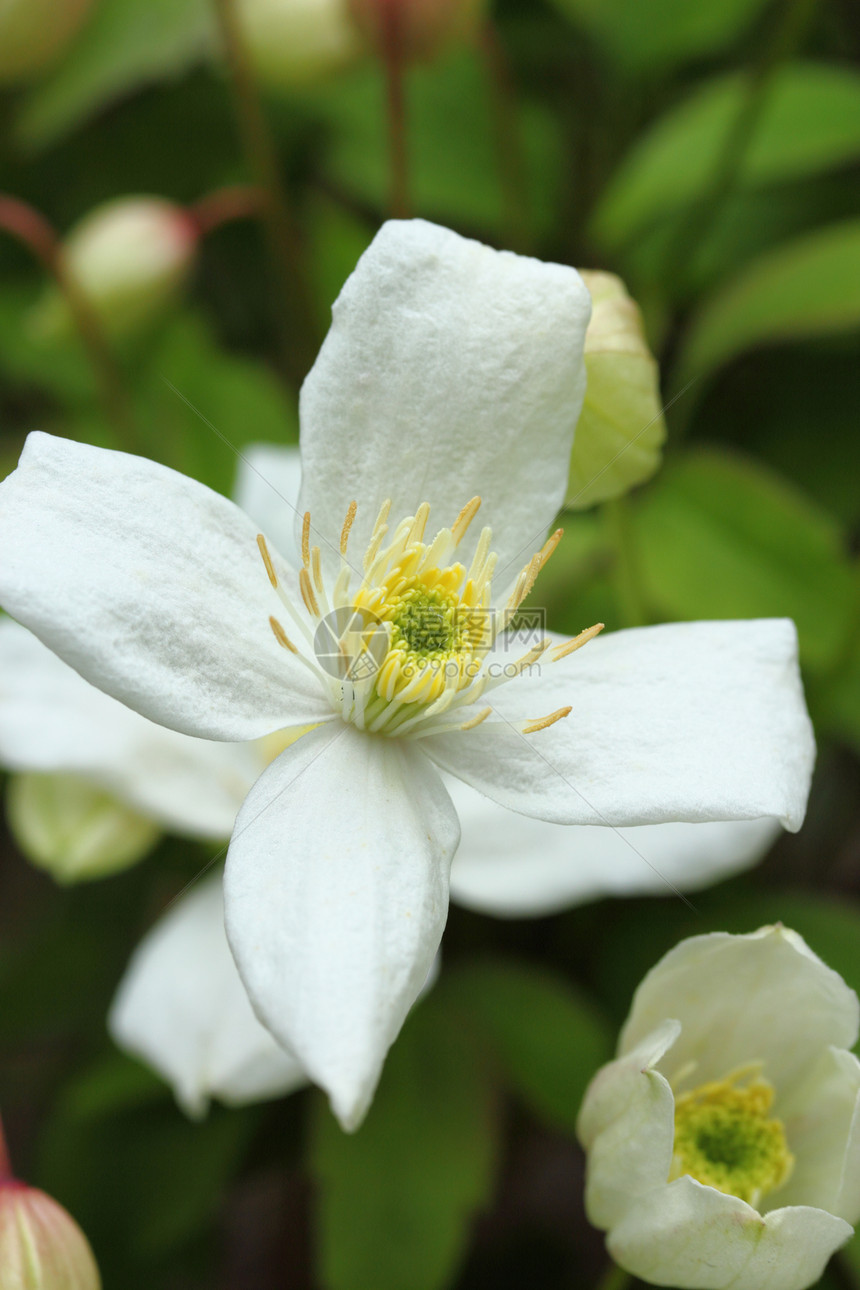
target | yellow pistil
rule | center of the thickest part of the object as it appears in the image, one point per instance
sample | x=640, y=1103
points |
x=725, y=1138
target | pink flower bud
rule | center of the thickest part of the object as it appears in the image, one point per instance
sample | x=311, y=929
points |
x=418, y=29
x=34, y=32
x=41, y=1246
x=129, y=258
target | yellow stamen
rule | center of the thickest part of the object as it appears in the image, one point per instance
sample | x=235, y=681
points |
x=562, y=651
x=308, y=593
x=306, y=537
x=545, y=722
x=347, y=526
x=317, y=570
x=281, y=636
x=267, y=560
x=464, y=519
x=476, y=720
x=549, y=546
x=419, y=524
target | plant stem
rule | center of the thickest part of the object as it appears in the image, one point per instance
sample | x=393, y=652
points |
x=395, y=96
x=34, y=231
x=795, y=16
x=299, y=324
x=614, y=1278
x=5, y=1166
x=625, y=574
x=507, y=138
x=239, y=201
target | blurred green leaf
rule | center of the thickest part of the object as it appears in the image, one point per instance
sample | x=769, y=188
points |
x=396, y=1198
x=809, y=122
x=719, y=536
x=168, y=1175
x=837, y=699
x=453, y=157
x=201, y=404
x=125, y=44
x=648, y=35
x=547, y=1038
x=808, y=287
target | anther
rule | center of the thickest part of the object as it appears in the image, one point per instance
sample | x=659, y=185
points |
x=419, y=524
x=545, y=722
x=562, y=651
x=550, y=545
x=317, y=569
x=308, y=593
x=464, y=519
x=267, y=560
x=476, y=720
x=306, y=539
x=347, y=525
x=281, y=636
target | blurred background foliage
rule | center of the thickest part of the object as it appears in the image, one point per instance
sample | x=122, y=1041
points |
x=708, y=154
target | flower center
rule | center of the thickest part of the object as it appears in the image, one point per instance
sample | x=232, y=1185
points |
x=408, y=646
x=725, y=1138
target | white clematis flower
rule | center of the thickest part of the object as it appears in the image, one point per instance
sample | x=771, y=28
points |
x=450, y=371
x=724, y=1141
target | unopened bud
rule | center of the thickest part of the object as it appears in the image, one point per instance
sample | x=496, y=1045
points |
x=416, y=29
x=34, y=32
x=74, y=830
x=294, y=42
x=621, y=429
x=129, y=259
x=41, y=1245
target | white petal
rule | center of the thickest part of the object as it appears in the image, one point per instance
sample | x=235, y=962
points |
x=181, y=1006
x=685, y=1234
x=268, y=478
x=822, y=1124
x=627, y=1125
x=53, y=721
x=760, y=997
x=450, y=370
x=514, y=866
x=152, y=587
x=688, y=721
x=336, y=895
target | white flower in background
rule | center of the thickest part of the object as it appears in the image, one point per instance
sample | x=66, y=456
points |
x=451, y=371
x=724, y=1141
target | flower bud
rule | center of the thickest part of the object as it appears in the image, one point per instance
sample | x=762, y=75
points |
x=74, y=830
x=41, y=1246
x=621, y=429
x=129, y=259
x=421, y=28
x=292, y=42
x=34, y=32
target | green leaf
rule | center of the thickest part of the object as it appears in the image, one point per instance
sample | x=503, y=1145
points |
x=202, y=404
x=804, y=288
x=454, y=164
x=548, y=1039
x=719, y=536
x=809, y=122
x=649, y=35
x=621, y=428
x=395, y=1199
x=837, y=699
x=125, y=44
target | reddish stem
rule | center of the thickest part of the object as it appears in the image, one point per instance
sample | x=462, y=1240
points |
x=6, y=1174
x=391, y=19
x=33, y=230
x=240, y=201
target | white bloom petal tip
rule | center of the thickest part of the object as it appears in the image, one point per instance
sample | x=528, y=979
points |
x=724, y=1144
